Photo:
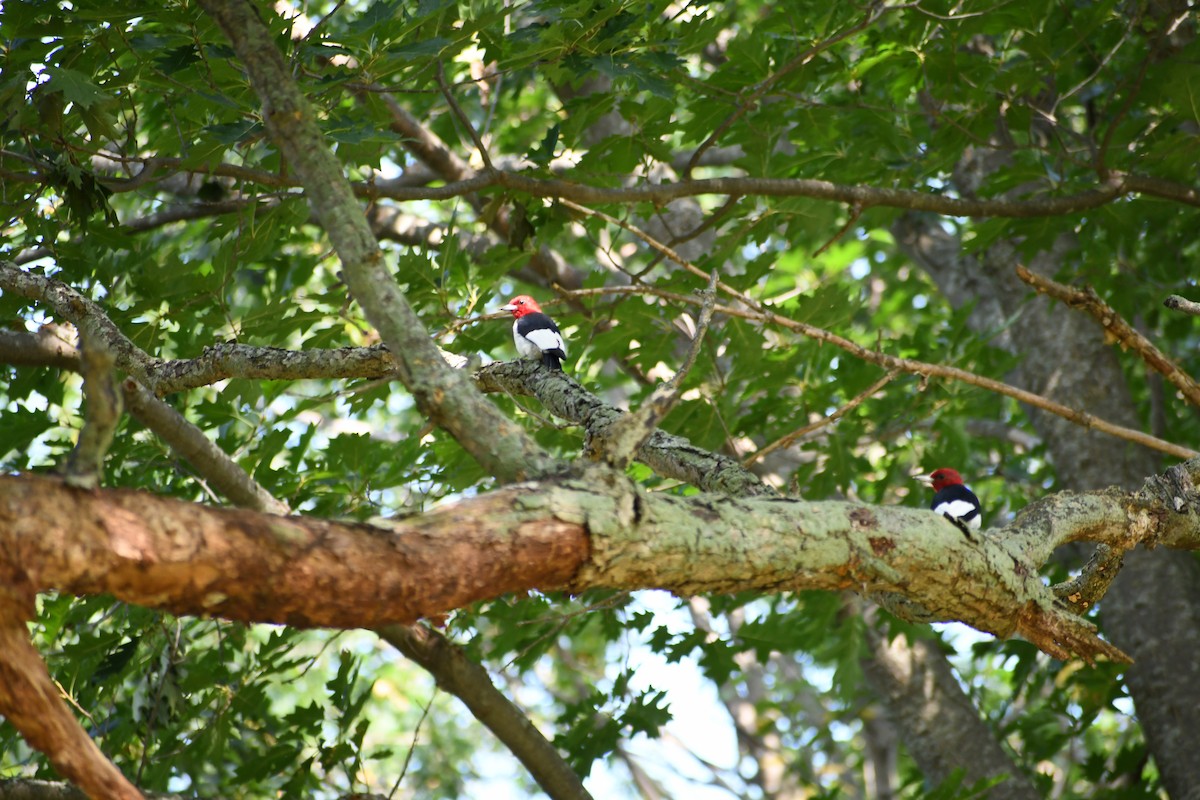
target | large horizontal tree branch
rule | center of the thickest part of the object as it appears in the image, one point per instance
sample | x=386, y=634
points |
x=599, y=530
x=251, y=566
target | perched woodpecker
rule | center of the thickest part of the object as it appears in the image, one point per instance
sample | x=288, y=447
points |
x=953, y=500
x=535, y=334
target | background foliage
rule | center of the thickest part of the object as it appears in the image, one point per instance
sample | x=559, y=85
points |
x=136, y=168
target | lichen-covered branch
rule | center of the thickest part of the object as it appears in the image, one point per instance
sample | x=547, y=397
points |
x=220, y=362
x=86, y=315
x=668, y=455
x=1177, y=303
x=1092, y=582
x=596, y=530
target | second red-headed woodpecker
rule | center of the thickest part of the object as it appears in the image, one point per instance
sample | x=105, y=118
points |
x=535, y=334
x=953, y=500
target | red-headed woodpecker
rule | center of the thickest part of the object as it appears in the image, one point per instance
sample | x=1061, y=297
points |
x=535, y=334
x=952, y=499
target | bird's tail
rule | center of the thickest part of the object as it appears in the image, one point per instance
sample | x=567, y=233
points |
x=553, y=358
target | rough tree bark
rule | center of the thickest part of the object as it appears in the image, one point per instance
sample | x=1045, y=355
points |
x=940, y=724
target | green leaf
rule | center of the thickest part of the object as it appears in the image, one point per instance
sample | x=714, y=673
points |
x=75, y=87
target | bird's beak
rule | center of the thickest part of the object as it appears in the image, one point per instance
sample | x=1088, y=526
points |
x=925, y=479
x=509, y=307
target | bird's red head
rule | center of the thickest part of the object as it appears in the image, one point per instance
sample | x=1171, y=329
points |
x=941, y=478
x=521, y=305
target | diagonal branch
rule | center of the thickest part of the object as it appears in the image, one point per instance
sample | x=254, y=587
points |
x=1116, y=329
x=218, y=469
x=751, y=99
x=788, y=439
x=469, y=682
x=444, y=660
x=30, y=701
x=631, y=431
x=462, y=117
x=444, y=395
x=668, y=455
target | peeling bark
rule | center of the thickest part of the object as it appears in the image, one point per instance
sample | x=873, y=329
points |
x=596, y=530
x=255, y=567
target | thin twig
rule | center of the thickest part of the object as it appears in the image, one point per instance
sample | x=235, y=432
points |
x=855, y=212
x=321, y=22
x=923, y=368
x=1116, y=329
x=632, y=430
x=787, y=440
x=462, y=117
x=1130, y=96
x=413, y=746
x=749, y=101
